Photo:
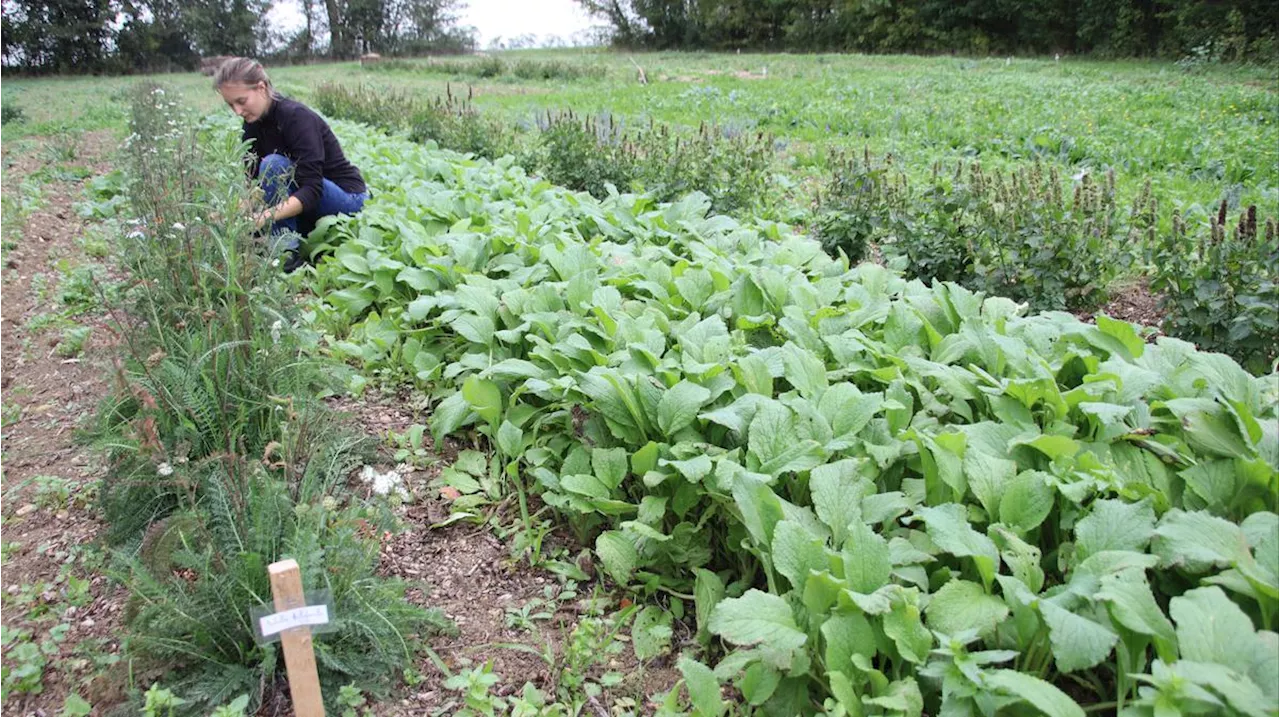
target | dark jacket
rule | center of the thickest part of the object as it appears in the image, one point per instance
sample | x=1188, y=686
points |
x=294, y=130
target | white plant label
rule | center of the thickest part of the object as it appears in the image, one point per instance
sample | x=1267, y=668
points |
x=297, y=617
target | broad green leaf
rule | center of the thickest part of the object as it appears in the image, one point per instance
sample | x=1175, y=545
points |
x=352, y=302
x=1131, y=604
x=774, y=443
x=759, y=618
x=948, y=526
x=1123, y=332
x=618, y=554
x=484, y=397
x=1212, y=628
x=1115, y=525
x=1266, y=664
x=1208, y=428
x=510, y=439
x=651, y=633
x=1050, y=700
x=847, y=409
x=796, y=552
x=704, y=688
x=837, y=492
x=1078, y=642
x=693, y=469
x=1239, y=690
x=609, y=465
x=866, y=559
x=1197, y=540
x=988, y=477
x=680, y=405
x=645, y=459
x=449, y=415
x=1213, y=481
x=759, y=683
x=584, y=484
x=902, y=625
x=473, y=328
x=901, y=697
x=804, y=371
x=962, y=605
x=758, y=505
x=1027, y=500
x=752, y=372
x=708, y=591
x=844, y=636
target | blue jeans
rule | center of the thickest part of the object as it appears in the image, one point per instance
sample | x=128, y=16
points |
x=275, y=172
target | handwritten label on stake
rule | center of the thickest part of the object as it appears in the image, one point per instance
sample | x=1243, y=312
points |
x=316, y=614
x=298, y=617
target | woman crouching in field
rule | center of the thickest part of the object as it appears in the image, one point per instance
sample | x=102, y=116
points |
x=294, y=156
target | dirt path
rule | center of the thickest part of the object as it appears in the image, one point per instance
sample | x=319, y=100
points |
x=55, y=596
x=528, y=625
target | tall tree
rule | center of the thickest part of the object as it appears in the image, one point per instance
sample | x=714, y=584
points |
x=56, y=35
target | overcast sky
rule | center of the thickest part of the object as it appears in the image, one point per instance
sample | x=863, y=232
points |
x=508, y=18
x=491, y=18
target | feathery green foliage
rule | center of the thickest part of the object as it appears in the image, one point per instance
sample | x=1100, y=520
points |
x=223, y=460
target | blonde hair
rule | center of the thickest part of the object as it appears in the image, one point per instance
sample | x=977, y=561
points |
x=243, y=71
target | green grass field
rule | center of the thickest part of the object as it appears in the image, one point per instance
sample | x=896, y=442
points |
x=1200, y=134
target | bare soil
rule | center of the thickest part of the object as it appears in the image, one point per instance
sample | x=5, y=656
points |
x=471, y=576
x=51, y=396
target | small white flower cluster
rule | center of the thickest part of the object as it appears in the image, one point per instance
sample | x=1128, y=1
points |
x=385, y=483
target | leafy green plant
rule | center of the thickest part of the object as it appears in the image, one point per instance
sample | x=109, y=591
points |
x=73, y=340
x=161, y=702
x=526, y=616
x=23, y=668
x=52, y=492
x=475, y=686
x=848, y=471
x=1217, y=284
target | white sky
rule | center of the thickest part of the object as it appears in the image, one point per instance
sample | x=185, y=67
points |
x=508, y=18
x=491, y=18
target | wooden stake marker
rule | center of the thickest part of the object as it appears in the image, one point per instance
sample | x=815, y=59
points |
x=293, y=621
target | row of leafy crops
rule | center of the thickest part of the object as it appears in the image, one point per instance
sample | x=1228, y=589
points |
x=877, y=497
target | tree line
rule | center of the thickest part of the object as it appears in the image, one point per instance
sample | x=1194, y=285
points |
x=123, y=36
x=1230, y=30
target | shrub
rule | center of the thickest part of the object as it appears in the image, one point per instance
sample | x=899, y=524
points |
x=1218, y=284
x=374, y=106
x=198, y=572
x=10, y=112
x=585, y=155
x=730, y=167
x=1015, y=234
x=555, y=70
x=847, y=216
x=454, y=123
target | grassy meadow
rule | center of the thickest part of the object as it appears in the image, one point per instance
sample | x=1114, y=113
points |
x=1201, y=134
